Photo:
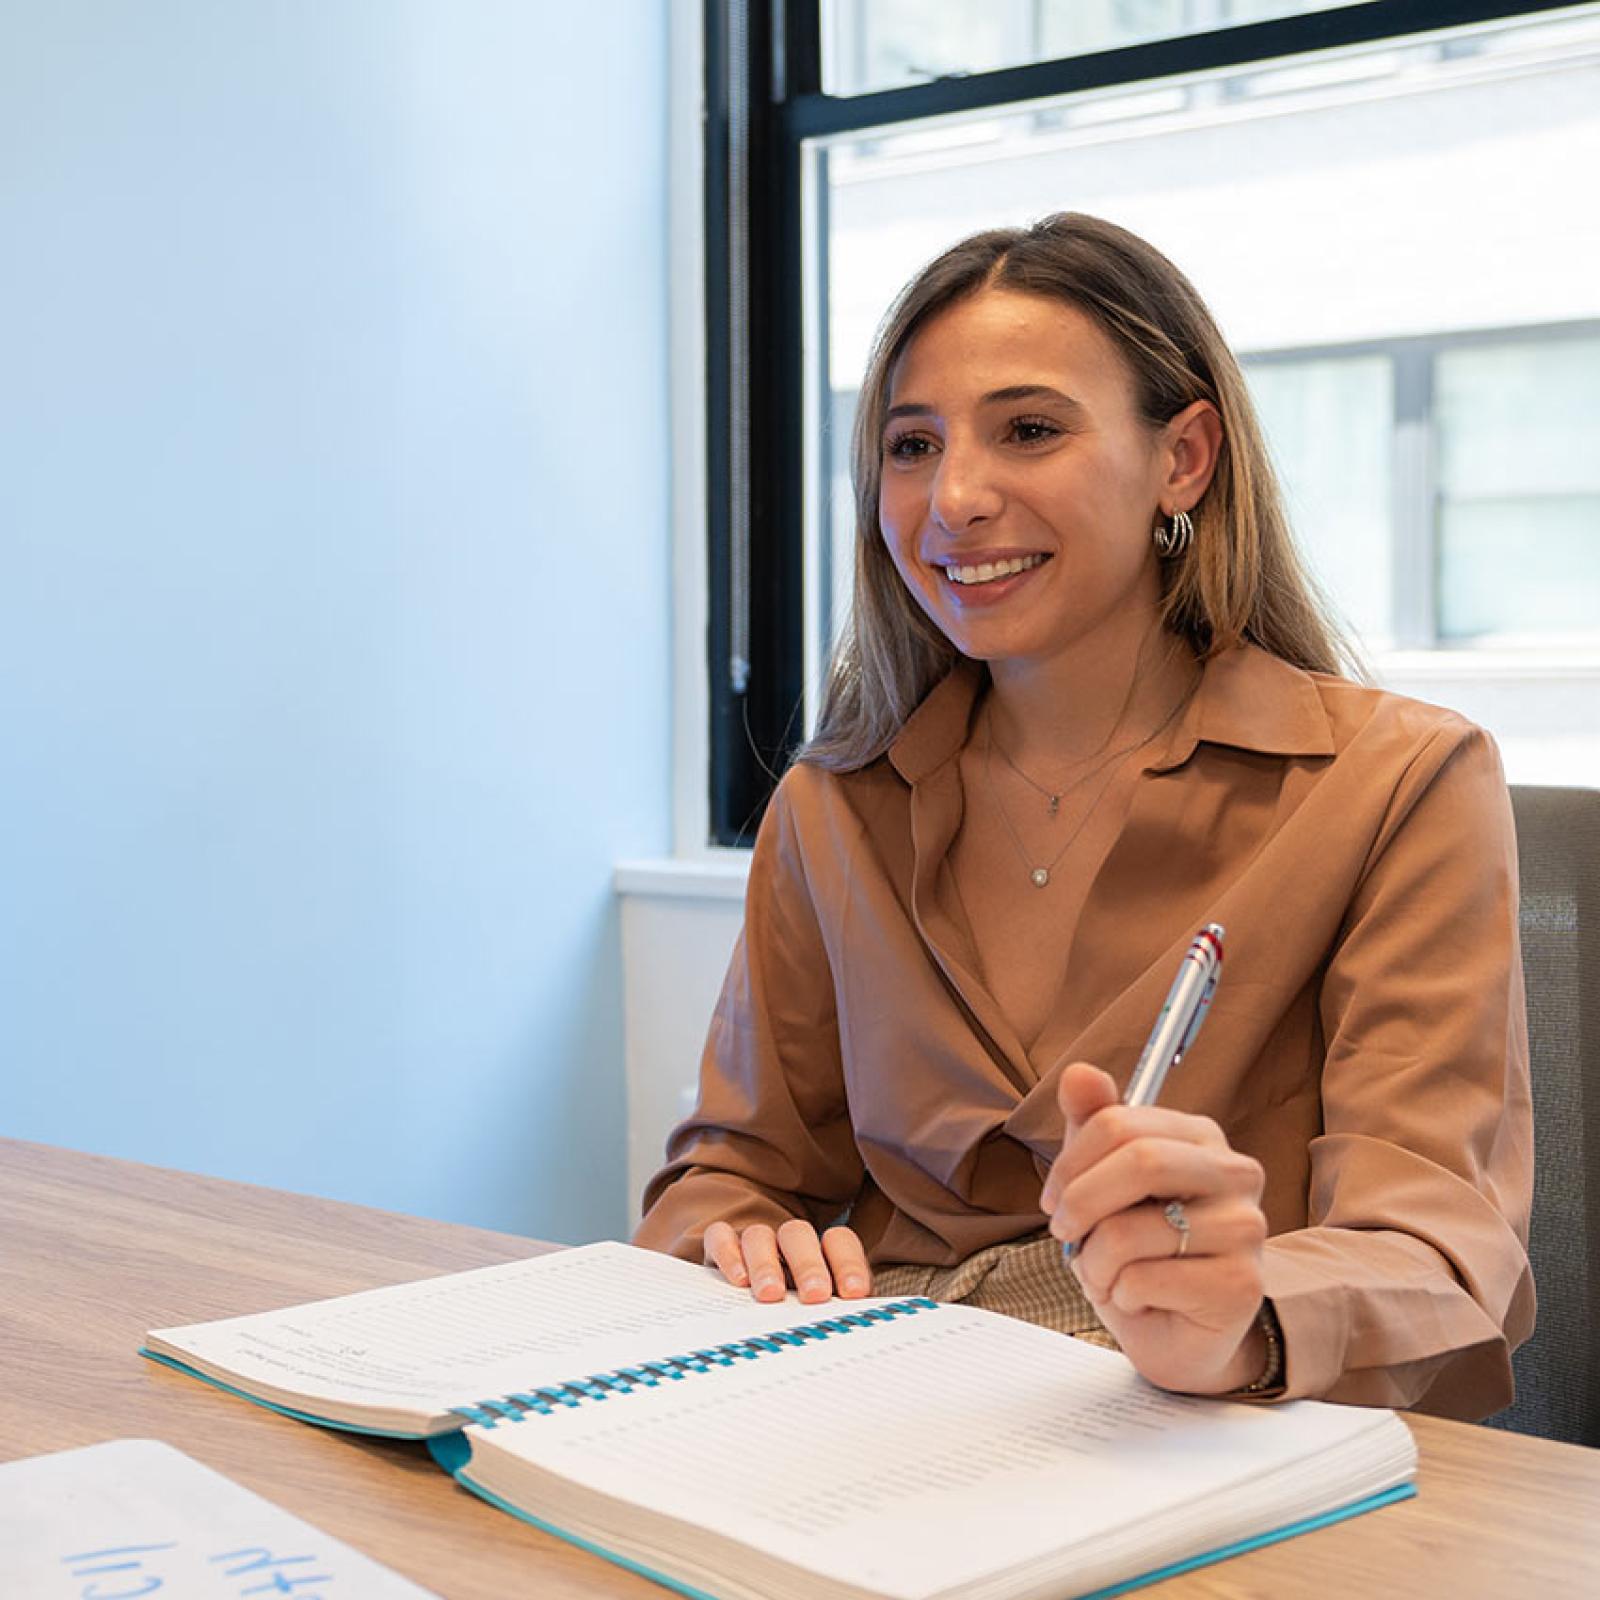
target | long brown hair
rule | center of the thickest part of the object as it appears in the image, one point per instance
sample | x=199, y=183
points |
x=1240, y=579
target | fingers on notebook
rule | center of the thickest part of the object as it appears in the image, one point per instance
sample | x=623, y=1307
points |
x=763, y=1259
x=802, y=1250
x=848, y=1261
x=725, y=1251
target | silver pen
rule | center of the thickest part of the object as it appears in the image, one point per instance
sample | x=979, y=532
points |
x=1184, y=1010
x=1187, y=1002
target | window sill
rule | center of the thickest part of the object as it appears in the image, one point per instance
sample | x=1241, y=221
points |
x=719, y=875
x=1395, y=668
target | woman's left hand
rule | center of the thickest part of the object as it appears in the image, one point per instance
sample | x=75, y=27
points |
x=1188, y=1322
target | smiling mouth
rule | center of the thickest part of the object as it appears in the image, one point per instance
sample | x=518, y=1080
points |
x=993, y=571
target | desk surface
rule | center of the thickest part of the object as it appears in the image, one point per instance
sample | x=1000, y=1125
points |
x=95, y=1251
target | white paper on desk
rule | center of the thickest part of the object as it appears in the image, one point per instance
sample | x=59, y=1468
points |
x=133, y=1518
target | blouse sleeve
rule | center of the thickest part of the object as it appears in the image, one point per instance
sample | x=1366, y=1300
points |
x=770, y=1138
x=1411, y=1285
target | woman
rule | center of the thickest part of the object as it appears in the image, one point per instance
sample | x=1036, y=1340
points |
x=1087, y=703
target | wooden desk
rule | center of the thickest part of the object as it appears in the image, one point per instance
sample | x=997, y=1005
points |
x=93, y=1252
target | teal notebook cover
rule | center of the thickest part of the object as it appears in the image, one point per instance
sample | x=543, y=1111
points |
x=283, y=1411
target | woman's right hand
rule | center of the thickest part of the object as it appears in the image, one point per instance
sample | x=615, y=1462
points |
x=755, y=1258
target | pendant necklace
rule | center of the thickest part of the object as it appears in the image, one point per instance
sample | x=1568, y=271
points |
x=1053, y=798
x=1039, y=876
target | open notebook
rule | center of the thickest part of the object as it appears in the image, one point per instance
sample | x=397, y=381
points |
x=644, y=1408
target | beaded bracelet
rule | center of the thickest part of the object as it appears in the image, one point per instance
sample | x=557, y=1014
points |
x=1271, y=1379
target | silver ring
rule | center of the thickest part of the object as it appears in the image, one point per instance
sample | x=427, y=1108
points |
x=1175, y=1218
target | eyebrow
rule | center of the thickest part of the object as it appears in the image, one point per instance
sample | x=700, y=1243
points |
x=1014, y=391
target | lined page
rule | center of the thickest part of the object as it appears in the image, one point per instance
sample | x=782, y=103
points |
x=470, y=1336
x=917, y=1456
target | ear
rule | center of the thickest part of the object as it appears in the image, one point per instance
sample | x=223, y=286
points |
x=1193, y=442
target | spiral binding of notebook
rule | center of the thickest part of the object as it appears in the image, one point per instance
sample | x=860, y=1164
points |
x=651, y=1374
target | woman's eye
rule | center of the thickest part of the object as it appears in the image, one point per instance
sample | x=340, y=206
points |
x=1034, y=430
x=906, y=446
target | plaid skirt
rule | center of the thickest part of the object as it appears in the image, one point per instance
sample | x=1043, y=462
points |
x=1023, y=1278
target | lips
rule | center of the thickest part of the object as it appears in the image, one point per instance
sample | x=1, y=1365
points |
x=973, y=574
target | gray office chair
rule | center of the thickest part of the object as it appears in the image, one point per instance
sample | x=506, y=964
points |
x=1558, y=1369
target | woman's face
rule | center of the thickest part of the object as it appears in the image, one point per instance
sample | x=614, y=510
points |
x=1019, y=483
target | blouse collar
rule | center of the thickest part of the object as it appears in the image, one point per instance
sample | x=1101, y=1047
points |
x=1247, y=699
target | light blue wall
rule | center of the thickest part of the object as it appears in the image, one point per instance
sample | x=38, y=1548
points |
x=333, y=588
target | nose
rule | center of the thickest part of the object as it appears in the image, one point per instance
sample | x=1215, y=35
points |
x=964, y=491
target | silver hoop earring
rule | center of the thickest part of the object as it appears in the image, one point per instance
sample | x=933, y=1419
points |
x=1172, y=541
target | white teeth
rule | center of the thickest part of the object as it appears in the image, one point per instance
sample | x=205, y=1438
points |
x=988, y=571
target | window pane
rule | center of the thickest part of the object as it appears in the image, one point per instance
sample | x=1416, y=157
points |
x=1329, y=424
x=886, y=44
x=1517, y=418
x=1519, y=490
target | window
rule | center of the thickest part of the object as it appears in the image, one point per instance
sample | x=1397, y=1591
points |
x=1330, y=418
x=1377, y=199
x=1519, y=489
x=1447, y=490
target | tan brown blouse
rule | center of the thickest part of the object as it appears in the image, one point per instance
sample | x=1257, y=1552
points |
x=1367, y=1042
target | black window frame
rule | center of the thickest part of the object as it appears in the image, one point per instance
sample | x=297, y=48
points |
x=763, y=98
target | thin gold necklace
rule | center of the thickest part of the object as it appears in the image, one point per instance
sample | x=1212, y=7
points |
x=1053, y=798
x=1039, y=876
x=1056, y=796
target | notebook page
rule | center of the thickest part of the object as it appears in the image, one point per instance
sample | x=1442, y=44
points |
x=475, y=1335
x=919, y=1457
x=135, y=1517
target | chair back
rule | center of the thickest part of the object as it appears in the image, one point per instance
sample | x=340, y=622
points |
x=1558, y=1369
